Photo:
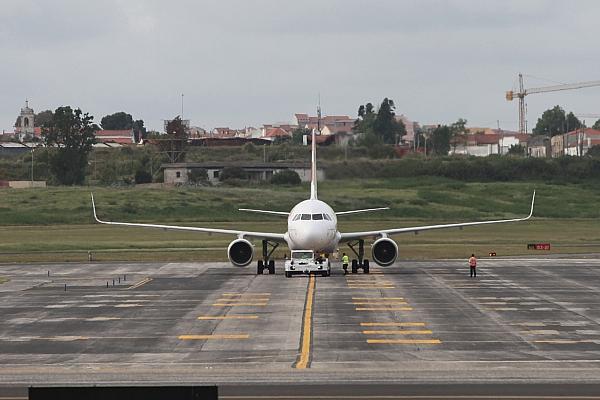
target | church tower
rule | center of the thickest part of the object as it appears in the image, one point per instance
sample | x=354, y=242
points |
x=24, y=125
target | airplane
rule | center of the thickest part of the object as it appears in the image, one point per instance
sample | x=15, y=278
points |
x=312, y=225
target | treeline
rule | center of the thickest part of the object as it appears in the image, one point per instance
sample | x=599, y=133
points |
x=475, y=169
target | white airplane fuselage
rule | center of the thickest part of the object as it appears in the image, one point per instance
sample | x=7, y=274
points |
x=312, y=225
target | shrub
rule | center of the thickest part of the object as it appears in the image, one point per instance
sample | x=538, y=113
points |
x=198, y=175
x=233, y=173
x=286, y=177
x=142, y=176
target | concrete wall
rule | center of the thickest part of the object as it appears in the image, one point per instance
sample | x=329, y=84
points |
x=26, y=184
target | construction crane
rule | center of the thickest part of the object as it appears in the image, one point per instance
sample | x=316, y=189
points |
x=510, y=95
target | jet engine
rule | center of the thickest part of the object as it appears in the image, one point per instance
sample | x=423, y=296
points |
x=384, y=251
x=240, y=252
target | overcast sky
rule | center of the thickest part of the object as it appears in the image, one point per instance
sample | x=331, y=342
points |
x=244, y=63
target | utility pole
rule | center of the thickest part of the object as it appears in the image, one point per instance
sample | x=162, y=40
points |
x=32, y=150
x=181, y=106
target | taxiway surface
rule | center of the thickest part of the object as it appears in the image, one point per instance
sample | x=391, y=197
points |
x=530, y=320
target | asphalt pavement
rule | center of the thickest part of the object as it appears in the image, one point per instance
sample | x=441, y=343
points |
x=523, y=322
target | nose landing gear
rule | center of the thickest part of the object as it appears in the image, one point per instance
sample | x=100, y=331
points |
x=266, y=262
x=361, y=262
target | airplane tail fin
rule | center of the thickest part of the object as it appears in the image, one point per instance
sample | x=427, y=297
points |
x=313, y=167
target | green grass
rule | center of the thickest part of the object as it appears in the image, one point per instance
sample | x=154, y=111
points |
x=3, y=280
x=55, y=224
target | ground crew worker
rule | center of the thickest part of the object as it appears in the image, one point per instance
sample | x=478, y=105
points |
x=345, y=262
x=473, y=265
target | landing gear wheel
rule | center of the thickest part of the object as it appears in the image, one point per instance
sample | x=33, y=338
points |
x=271, y=267
x=288, y=274
x=366, y=266
x=354, y=266
x=260, y=267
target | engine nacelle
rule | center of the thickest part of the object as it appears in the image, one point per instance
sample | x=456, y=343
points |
x=240, y=252
x=384, y=251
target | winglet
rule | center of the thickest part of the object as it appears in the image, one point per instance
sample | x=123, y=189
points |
x=532, y=203
x=94, y=208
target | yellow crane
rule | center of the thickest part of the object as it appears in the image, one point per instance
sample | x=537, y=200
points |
x=510, y=95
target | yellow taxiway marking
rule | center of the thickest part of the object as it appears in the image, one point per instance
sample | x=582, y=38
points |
x=140, y=283
x=377, y=298
x=392, y=324
x=378, y=303
x=396, y=332
x=542, y=332
x=241, y=300
x=558, y=341
x=219, y=317
x=405, y=341
x=209, y=337
x=239, y=304
x=246, y=294
x=384, y=309
x=304, y=356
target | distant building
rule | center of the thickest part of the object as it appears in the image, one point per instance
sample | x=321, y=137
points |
x=333, y=123
x=483, y=145
x=539, y=146
x=124, y=136
x=178, y=173
x=25, y=125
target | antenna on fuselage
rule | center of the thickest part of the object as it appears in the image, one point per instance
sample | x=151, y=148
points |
x=313, y=167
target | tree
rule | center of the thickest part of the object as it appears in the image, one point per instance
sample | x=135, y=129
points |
x=596, y=125
x=517, y=150
x=286, y=177
x=176, y=140
x=556, y=122
x=383, y=123
x=440, y=140
x=594, y=151
x=42, y=118
x=298, y=135
x=71, y=134
x=117, y=121
x=386, y=126
x=459, y=131
x=139, y=131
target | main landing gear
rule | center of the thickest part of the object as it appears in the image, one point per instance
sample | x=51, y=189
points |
x=266, y=262
x=361, y=262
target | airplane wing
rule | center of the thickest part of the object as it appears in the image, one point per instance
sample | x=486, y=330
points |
x=345, y=237
x=361, y=211
x=276, y=237
x=281, y=213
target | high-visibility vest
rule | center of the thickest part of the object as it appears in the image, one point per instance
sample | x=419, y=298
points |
x=345, y=260
x=472, y=262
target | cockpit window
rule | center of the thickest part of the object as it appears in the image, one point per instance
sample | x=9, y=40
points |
x=317, y=217
x=305, y=217
x=296, y=217
x=327, y=217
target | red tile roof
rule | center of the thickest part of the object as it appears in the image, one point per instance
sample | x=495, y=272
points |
x=276, y=132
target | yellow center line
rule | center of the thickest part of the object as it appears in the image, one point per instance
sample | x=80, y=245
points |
x=371, y=287
x=384, y=309
x=140, y=283
x=405, y=341
x=245, y=294
x=239, y=304
x=209, y=337
x=377, y=298
x=304, y=356
x=241, y=300
x=392, y=332
x=228, y=317
x=392, y=324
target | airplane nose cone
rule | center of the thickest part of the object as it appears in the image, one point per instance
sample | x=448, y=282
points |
x=311, y=237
